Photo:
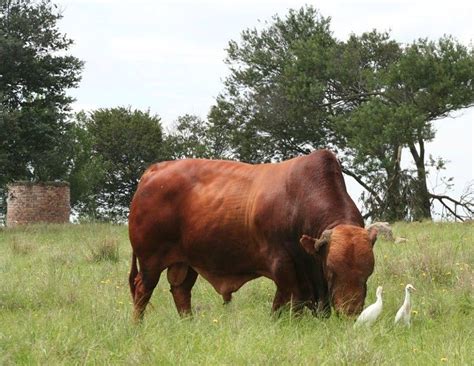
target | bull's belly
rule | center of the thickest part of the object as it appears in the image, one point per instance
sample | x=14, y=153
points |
x=227, y=256
x=228, y=264
x=226, y=283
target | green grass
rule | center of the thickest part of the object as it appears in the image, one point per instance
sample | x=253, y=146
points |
x=64, y=299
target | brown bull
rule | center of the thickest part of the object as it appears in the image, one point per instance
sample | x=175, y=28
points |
x=232, y=222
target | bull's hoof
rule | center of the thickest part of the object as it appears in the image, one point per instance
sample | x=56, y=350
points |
x=227, y=298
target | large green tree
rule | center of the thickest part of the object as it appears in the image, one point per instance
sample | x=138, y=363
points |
x=275, y=98
x=35, y=73
x=424, y=82
x=293, y=87
x=113, y=147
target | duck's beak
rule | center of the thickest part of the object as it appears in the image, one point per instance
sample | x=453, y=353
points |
x=414, y=289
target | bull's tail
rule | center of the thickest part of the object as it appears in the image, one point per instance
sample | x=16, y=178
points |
x=133, y=275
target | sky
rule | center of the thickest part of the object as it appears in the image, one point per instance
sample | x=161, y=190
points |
x=168, y=56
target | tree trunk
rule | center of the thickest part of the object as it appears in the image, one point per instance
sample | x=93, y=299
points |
x=422, y=207
x=395, y=208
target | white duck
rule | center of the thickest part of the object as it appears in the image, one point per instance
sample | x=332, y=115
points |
x=404, y=313
x=371, y=312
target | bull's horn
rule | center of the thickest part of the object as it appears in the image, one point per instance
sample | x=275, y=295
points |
x=323, y=240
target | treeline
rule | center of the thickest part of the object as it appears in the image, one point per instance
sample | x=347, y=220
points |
x=292, y=88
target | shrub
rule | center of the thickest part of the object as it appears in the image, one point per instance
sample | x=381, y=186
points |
x=106, y=249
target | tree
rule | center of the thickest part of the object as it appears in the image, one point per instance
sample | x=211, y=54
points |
x=293, y=87
x=191, y=137
x=113, y=148
x=426, y=81
x=275, y=95
x=35, y=73
x=432, y=79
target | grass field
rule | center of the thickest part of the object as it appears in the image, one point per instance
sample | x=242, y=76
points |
x=64, y=299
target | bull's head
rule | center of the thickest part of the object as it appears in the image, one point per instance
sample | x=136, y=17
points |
x=346, y=252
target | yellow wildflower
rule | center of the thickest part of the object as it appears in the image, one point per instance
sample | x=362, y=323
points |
x=444, y=359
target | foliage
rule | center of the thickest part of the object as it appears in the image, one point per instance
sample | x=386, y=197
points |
x=271, y=71
x=293, y=88
x=191, y=137
x=426, y=81
x=72, y=310
x=113, y=148
x=35, y=73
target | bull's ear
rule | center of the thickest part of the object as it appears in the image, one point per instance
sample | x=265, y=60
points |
x=373, y=235
x=312, y=245
x=307, y=242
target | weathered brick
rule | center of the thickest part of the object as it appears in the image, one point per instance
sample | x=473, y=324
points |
x=29, y=202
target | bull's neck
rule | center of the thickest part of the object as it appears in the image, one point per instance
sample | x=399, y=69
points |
x=343, y=214
x=342, y=221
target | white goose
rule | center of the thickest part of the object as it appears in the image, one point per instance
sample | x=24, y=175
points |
x=404, y=313
x=372, y=312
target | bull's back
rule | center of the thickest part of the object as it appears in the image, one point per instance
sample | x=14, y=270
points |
x=194, y=203
x=205, y=205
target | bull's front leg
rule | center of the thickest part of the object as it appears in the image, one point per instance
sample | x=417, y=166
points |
x=288, y=291
x=323, y=301
x=323, y=308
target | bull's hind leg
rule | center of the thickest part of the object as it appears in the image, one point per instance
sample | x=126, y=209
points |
x=182, y=279
x=143, y=284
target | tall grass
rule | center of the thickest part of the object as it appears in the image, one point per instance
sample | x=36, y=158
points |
x=62, y=302
x=105, y=249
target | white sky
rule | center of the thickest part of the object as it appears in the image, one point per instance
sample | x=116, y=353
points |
x=167, y=56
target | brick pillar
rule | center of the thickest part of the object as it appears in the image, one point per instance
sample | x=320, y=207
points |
x=29, y=202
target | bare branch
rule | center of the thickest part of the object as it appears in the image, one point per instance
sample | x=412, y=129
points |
x=466, y=205
x=466, y=202
x=449, y=209
x=367, y=215
x=363, y=184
